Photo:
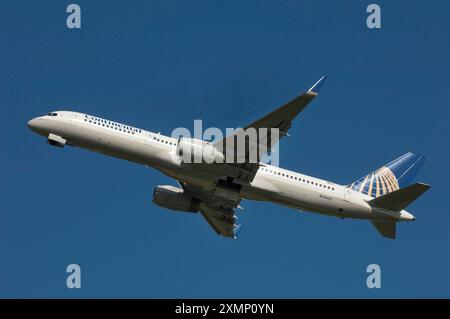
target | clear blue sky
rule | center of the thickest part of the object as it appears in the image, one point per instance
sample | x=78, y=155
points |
x=160, y=65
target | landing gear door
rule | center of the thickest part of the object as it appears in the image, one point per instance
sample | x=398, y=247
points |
x=347, y=193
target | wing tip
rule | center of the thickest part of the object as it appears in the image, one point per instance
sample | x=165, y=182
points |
x=318, y=85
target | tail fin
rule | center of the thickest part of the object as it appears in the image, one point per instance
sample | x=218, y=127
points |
x=400, y=199
x=391, y=177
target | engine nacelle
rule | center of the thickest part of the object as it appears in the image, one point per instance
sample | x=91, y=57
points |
x=192, y=150
x=174, y=198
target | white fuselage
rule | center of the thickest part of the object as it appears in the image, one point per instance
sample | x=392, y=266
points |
x=271, y=183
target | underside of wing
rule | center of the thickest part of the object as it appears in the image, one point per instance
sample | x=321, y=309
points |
x=217, y=207
x=246, y=147
x=282, y=117
x=222, y=220
x=218, y=199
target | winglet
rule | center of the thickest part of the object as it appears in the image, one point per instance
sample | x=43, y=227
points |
x=316, y=87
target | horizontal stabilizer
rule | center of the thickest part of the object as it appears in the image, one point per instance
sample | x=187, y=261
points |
x=385, y=228
x=400, y=199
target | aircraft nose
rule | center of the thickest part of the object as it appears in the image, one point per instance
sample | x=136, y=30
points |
x=37, y=125
x=32, y=123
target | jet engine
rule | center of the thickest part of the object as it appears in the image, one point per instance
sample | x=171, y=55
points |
x=174, y=198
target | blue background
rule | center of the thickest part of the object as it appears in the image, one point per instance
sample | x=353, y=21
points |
x=159, y=65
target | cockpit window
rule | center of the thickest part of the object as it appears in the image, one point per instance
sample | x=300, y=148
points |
x=52, y=114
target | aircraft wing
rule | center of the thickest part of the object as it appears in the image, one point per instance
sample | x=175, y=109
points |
x=216, y=209
x=280, y=119
x=218, y=200
x=222, y=220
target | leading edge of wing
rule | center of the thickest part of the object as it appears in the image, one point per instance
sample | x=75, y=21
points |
x=281, y=117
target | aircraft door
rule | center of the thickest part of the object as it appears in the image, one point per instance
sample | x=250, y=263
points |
x=148, y=138
x=347, y=193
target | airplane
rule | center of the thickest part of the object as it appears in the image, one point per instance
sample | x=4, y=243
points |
x=216, y=189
